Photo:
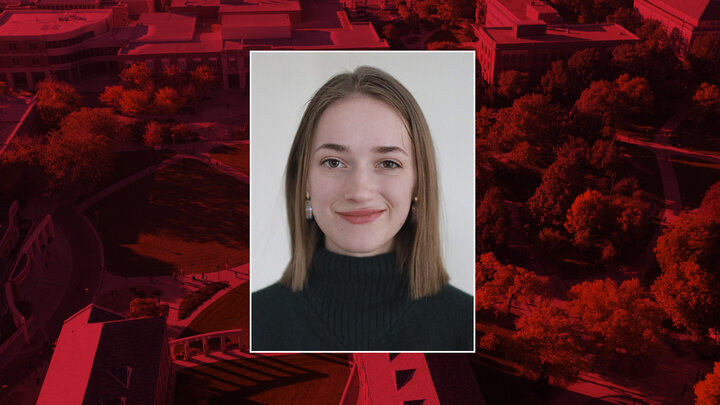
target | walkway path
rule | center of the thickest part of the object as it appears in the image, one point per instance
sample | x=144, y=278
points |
x=174, y=289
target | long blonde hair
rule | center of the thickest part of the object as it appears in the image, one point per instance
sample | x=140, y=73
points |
x=417, y=244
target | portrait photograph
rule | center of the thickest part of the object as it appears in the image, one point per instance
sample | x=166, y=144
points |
x=362, y=201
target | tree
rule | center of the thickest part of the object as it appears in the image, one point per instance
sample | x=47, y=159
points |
x=599, y=100
x=605, y=157
x=605, y=224
x=504, y=283
x=138, y=77
x=155, y=134
x=168, y=101
x=531, y=118
x=171, y=76
x=561, y=183
x=144, y=307
x=634, y=59
x=693, y=238
x=626, y=17
x=493, y=221
x=21, y=173
x=548, y=344
x=634, y=96
x=112, y=96
x=704, y=57
x=99, y=121
x=512, y=83
x=616, y=317
x=555, y=82
x=440, y=45
x=134, y=102
x=706, y=101
x=389, y=31
x=76, y=159
x=710, y=205
x=707, y=391
x=203, y=78
x=689, y=286
x=55, y=100
x=690, y=296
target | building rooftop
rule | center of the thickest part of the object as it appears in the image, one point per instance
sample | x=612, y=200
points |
x=165, y=27
x=199, y=43
x=562, y=33
x=691, y=10
x=101, y=356
x=19, y=23
x=69, y=1
x=519, y=8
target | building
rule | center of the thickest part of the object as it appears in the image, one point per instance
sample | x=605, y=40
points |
x=71, y=44
x=186, y=40
x=684, y=20
x=102, y=358
x=35, y=44
x=533, y=46
x=506, y=13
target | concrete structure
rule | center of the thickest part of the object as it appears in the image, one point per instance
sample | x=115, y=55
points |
x=684, y=20
x=410, y=378
x=102, y=358
x=205, y=338
x=35, y=44
x=533, y=46
x=9, y=231
x=506, y=13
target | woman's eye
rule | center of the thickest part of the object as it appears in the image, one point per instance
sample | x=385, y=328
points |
x=389, y=164
x=331, y=163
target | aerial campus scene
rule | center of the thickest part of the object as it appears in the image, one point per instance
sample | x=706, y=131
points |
x=124, y=202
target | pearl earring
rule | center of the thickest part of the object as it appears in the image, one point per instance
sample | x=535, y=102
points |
x=308, y=207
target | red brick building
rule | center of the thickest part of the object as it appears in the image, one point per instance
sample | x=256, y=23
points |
x=533, y=46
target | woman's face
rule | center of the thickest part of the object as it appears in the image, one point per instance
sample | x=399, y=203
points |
x=361, y=177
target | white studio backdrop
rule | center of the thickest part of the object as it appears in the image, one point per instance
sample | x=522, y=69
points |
x=281, y=84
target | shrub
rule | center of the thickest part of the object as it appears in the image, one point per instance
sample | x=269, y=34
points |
x=196, y=298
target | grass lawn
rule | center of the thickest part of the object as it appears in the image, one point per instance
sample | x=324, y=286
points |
x=229, y=312
x=236, y=156
x=694, y=177
x=697, y=138
x=287, y=379
x=187, y=216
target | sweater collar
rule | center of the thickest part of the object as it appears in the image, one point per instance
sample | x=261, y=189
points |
x=336, y=269
x=358, y=299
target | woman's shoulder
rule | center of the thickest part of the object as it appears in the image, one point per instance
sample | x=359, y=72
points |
x=452, y=296
x=273, y=297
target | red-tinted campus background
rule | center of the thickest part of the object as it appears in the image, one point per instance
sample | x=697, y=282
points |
x=124, y=171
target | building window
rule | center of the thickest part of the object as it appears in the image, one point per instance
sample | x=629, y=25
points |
x=15, y=61
x=182, y=64
x=35, y=61
x=13, y=47
x=33, y=47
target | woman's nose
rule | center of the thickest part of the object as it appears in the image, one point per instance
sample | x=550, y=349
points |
x=360, y=186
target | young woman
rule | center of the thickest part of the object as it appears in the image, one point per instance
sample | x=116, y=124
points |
x=366, y=271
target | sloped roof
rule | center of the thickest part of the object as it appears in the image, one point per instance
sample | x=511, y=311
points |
x=690, y=10
x=93, y=352
x=133, y=343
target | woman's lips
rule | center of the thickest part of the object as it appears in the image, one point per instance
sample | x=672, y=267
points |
x=361, y=216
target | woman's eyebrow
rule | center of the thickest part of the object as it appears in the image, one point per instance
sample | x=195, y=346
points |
x=378, y=149
x=333, y=146
x=389, y=149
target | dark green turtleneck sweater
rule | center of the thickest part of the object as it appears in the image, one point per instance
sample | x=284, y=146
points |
x=358, y=304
